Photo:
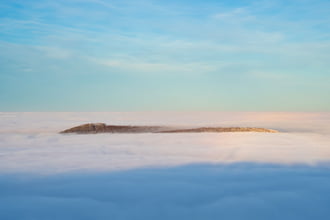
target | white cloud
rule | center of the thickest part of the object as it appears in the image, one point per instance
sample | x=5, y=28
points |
x=235, y=15
x=135, y=65
x=30, y=141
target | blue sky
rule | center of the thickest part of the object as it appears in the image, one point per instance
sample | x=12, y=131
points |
x=99, y=55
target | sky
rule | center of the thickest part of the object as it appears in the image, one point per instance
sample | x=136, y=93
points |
x=148, y=55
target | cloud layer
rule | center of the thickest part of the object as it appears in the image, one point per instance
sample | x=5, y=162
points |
x=45, y=175
x=239, y=191
x=31, y=143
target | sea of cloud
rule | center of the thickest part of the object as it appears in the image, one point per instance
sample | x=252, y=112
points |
x=47, y=175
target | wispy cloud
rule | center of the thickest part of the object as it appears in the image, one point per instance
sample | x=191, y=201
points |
x=140, y=66
x=235, y=15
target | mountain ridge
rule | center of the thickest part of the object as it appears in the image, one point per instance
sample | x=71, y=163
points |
x=93, y=128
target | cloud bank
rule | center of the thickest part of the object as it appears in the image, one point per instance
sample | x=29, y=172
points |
x=46, y=175
x=31, y=143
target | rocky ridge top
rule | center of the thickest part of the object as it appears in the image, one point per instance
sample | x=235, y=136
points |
x=93, y=128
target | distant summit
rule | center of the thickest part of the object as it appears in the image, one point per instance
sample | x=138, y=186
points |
x=93, y=128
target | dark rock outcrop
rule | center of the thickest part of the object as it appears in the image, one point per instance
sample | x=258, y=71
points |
x=93, y=128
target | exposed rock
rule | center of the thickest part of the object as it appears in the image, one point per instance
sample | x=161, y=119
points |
x=93, y=128
x=222, y=129
x=87, y=128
